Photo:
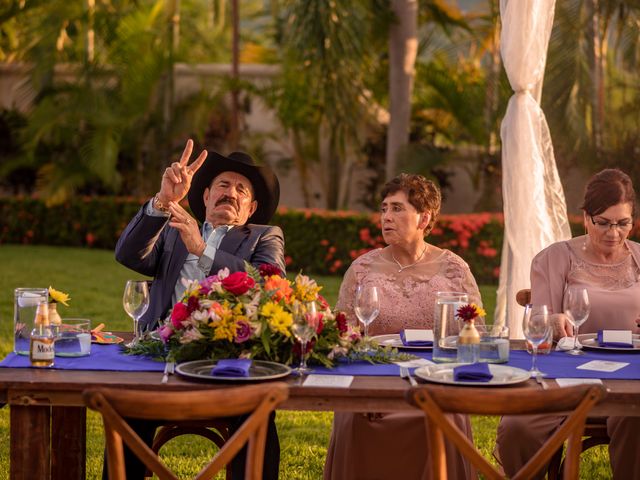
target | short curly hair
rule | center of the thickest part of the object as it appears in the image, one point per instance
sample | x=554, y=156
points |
x=423, y=194
x=607, y=188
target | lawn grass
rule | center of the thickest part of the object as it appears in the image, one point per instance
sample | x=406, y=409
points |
x=95, y=282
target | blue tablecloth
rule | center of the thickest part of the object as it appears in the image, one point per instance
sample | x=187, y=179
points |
x=555, y=365
x=102, y=357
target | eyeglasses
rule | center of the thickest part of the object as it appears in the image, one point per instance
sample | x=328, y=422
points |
x=605, y=225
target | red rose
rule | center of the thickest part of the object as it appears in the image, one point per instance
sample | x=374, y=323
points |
x=238, y=283
x=179, y=314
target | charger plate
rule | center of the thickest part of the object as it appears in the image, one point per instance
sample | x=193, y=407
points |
x=258, y=371
x=589, y=341
x=393, y=340
x=443, y=373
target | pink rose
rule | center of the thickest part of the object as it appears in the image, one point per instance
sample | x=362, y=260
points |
x=165, y=332
x=179, y=314
x=243, y=331
x=320, y=324
x=238, y=283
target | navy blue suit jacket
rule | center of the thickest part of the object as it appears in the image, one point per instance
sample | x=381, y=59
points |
x=151, y=247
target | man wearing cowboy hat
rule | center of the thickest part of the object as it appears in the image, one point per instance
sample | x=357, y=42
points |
x=232, y=198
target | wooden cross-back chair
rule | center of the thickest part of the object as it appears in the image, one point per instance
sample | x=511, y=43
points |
x=437, y=401
x=595, y=431
x=258, y=401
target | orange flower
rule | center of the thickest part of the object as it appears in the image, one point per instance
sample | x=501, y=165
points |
x=280, y=286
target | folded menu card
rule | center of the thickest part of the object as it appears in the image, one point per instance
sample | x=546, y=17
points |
x=232, y=367
x=416, y=337
x=474, y=372
x=615, y=338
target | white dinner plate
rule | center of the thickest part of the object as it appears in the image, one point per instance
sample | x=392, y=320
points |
x=259, y=370
x=589, y=341
x=393, y=340
x=502, y=375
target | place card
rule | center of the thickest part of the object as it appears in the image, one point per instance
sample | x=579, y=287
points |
x=570, y=382
x=341, y=381
x=617, y=336
x=418, y=335
x=602, y=366
x=418, y=362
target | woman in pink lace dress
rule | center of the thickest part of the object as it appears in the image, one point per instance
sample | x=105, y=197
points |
x=408, y=273
x=608, y=265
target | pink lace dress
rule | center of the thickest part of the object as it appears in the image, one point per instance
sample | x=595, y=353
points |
x=614, y=296
x=394, y=446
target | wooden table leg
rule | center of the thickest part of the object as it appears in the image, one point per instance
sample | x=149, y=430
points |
x=30, y=442
x=68, y=443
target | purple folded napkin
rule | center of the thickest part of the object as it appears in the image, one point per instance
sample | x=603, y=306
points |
x=474, y=372
x=414, y=343
x=602, y=343
x=232, y=367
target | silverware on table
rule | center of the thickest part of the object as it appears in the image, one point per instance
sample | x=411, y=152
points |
x=169, y=369
x=404, y=373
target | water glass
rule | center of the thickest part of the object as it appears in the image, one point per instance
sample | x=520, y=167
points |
x=305, y=325
x=135, y=301
x=576, y=307
x=535, y=326
x=494, y=343
x=26, y=301
x=367, y=306
x=446, y=325
x=74, y=338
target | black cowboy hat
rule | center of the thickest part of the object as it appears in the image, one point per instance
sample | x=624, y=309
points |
x=265, y=184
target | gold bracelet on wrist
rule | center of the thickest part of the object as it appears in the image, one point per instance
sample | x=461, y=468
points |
x=158, y=205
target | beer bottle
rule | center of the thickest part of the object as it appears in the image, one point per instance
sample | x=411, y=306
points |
x=41, y=347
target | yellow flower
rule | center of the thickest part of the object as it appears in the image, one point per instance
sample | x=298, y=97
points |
x=306, y=289
x=480, y=311
x=58, y=297
x=270, y=309
x=280, y=323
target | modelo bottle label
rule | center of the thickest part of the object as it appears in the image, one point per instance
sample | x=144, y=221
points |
x=42, y=349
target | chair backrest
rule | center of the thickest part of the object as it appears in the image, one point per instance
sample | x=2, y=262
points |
x=256, y=400
x=436, y=401
x=523, y=297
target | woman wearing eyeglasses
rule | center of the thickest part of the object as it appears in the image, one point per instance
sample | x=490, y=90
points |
x=607, y=264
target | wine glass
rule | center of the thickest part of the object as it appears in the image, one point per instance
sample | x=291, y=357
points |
x=367, y=305
x=135, y=301
x=576, y=308
x=536, y=327
x=305, y=324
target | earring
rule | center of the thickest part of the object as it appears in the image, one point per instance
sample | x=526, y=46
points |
x=586, y=237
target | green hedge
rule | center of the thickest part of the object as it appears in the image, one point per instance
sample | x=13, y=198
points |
x=317, y=241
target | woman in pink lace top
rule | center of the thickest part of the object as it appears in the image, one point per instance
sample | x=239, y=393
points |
x=408, y=273
x=608, y=265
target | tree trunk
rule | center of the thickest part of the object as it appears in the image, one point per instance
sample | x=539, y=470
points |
x=403, y=48
x=597, y=74
x=234, y=134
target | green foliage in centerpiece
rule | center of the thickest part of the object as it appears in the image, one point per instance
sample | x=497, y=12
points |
x=250, y=315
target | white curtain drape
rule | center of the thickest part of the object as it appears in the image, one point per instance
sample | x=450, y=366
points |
x=535, y=212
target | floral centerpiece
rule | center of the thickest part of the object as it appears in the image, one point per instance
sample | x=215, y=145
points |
x=250, y=315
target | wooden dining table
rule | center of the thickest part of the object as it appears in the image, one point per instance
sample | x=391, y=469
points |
x=48, y=417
